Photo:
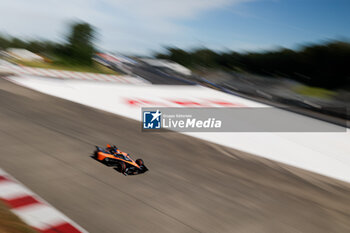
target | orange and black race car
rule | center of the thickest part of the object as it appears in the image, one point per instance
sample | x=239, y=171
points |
x=112, y=156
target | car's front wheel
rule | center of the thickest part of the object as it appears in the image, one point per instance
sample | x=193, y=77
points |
x=139, y=162
x=121, y=167
x=107, y=161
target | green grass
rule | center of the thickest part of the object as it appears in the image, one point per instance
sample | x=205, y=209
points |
x=314, y=92
x=94, y=68
x=10, y=223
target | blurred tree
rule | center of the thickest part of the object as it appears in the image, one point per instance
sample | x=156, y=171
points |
x=17, y=43
x=205, y=57
x=324, y=65
x=180, y=56
x=80, y=43
x=177, y=55
x=4, y=42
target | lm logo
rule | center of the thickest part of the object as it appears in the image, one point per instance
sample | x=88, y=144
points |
x=152, y=120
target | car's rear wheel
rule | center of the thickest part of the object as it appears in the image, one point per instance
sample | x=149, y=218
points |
x=139, y=162
x=122, y=167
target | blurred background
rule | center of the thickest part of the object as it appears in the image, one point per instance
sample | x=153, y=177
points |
x=294, y=53
x=118, y=56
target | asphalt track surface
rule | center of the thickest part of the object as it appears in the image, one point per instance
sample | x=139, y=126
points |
x=192, y=185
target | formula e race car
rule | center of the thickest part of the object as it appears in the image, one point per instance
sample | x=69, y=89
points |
x=112, y=156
